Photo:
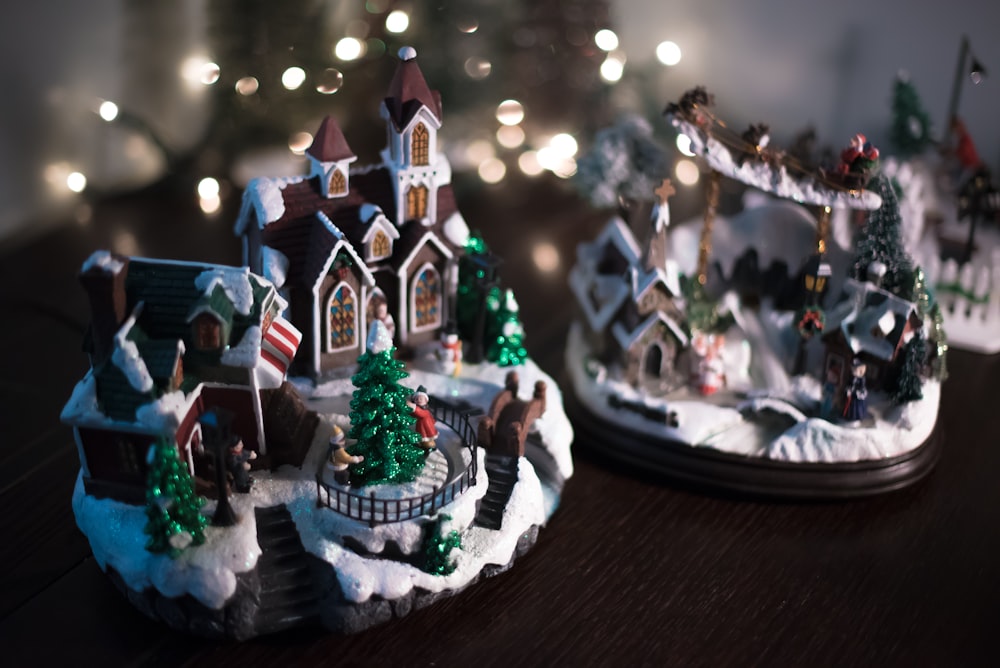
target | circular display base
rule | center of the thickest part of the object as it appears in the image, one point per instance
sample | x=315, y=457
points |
x=704, y=468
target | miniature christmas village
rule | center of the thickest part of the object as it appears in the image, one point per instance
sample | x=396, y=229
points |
x=775, y=352
x=343, y=430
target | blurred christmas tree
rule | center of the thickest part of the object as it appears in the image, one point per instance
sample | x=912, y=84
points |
x=504, y=331
x=880, y=241
x=911, y=125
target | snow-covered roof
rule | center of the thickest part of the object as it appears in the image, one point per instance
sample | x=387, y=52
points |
x=600, y=297
x=263, y=199
x=642, y=281
x=871, y=319
x=626, y=338
x=765, y=176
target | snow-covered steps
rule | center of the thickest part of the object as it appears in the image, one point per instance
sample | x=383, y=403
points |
x=502, y=474
x=288, y=593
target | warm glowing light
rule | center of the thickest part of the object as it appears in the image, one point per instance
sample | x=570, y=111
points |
x=299, y=142
x=510, y=112
x=668, y=53
x=209, y=73
x=687, y=172
x=564, y=145
x=247, y=86
x=108, y=110
x=561, y=165
x=211, y=204
x=397, y=21
x=330, y=81
x=606, y=40
x=528, y=162
x=684, y=145
x=76, y=182
x=293, y=77
x=348, y=48
x=478, y=68
x=468, y=25
x=208, y=187
x=612, y=68
x=479, y=151
x=510, y=136
x=545, y=256
x=124, y=242
x=492, y=170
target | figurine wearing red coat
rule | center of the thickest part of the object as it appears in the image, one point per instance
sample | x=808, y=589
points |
x=425, y=419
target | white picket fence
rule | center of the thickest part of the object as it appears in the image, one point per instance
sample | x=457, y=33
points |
x=970, y=300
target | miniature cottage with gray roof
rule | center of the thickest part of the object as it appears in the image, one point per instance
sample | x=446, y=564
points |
x=347, y=246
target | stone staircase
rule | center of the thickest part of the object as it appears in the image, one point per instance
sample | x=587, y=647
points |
x=288, y=592
x=501, y=471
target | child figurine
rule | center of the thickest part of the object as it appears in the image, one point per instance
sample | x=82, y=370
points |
x=339, y=459
x=856, y=401
x=709, y=372
x=425, y=419
x=450, y=352
x=238, y=465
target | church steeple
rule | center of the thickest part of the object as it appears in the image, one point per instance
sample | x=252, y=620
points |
x=330, y=158
x=654, y=254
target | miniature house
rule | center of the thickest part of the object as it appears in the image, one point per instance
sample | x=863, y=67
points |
x=345, y=247
x=631, y=301
x=871, y=324
x=169, y=340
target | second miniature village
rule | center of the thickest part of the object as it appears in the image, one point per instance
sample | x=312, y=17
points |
x=415, y=449
x=754, y=354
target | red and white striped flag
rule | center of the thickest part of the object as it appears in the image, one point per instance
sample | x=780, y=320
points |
x=279, y=345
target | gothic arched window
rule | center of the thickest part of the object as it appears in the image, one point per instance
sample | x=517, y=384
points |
x=338, y=184
x=343, y=318
x=426, y=296
x=420, y=145
x=416, y=202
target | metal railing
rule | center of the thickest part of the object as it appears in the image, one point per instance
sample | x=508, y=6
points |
x=374, y=510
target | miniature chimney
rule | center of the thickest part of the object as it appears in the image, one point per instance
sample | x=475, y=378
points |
x=876, y=273
x=103, y=277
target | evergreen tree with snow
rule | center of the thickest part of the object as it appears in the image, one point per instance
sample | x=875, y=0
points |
x=468, y=298
x=438, y=546
x=504, y=331
x=911, y=125
x=908, y=384
x=381, y=420
x=173, y=510
x=880, y=241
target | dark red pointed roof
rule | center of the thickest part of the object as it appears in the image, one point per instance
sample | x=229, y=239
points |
x=329, y=145
x=409, y=91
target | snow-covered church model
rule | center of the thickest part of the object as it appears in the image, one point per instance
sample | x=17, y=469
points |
x=753, y=354
x=361, y=488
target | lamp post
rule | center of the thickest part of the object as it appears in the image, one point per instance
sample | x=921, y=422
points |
x=976, y=72
x=217, y=436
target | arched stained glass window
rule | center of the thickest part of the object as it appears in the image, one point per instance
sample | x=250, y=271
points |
x=343, y=318
x=380, y=245
x=416, y=202
x=338, y=184
x=427, y=299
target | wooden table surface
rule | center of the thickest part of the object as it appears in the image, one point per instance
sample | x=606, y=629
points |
x=629, y=569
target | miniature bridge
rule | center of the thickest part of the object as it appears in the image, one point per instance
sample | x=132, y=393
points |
x=374, y=510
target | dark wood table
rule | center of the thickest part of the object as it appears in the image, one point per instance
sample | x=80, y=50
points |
x=629, y=569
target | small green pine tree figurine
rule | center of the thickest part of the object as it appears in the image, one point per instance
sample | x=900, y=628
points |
x=880, y=241
x=381, y=421
x=911, y=126
x=938, y=337
x=438, y=547
x=504, y=331
x=908, y=385
x=173, y=510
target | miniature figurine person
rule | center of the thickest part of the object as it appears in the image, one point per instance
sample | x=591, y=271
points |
x=856, y=402
x=238, y=464
x=339, y=459
x=382, y=313
x=450, y=353
x=425, y=419
x=710, y=371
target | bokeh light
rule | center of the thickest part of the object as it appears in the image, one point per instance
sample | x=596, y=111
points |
x=510, y=136
x=478, y=68
x=492, y=170
x=247, y=86
x=545, y=256
x=299, y=142
x=76, y=182
x=510, y=112
x=397, y=21
x=528, y=162
x=687, y=172
x=208, y=187
x=668, y=53
x=293, y=77
x=209, y=73
x=479, y=151
x=564, y=145
x=108, y=110
x=467, y=24
x=606, y=40
x=613, y=67
x=349, y=48
x=330, y=81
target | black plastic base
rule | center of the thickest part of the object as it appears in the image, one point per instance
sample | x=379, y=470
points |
x=703, y=468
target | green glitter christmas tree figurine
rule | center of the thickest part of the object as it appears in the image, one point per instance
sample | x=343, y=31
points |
x=470, y=279
x=880, y=241
x=504, y=331
x=173, y=510
x=438, y=546
x=381, y=420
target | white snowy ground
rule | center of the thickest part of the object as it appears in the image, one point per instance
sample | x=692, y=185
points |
x=896, y=430
x=208, y=572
